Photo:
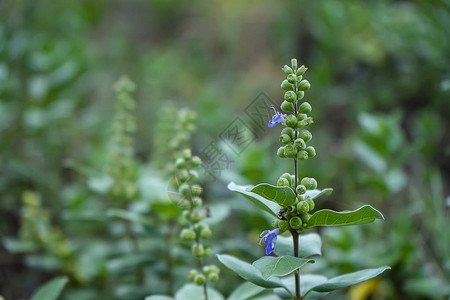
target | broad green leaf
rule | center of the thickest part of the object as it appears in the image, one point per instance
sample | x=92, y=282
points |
x=309, y=244
x=129, y=262
x=51, y=290
x=314, y=194
x=158, y=297
x=19, y=246
x=194, y=292
x=326, y=217
x=266, y=205
x=248, y=272
x=281, y=195
x=347, y=280
x=245, y=291
x=279, y=266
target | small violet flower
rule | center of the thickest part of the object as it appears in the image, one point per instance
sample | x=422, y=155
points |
x=277, y=118
x=270, y=238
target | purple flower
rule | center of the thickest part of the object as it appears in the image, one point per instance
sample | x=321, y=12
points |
x=277, y=118
x=270, y=238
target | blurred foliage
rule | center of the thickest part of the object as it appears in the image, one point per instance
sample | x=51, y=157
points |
x=381, y=74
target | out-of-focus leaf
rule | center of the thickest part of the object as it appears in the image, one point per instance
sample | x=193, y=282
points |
x=194, y=292
x=158, y=297
x=326, y=217
x=18, y=246
x=128, y=216
x=314, y=194
x=245, y=291
x=51, y=290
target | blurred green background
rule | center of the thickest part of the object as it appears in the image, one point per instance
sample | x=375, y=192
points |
x=380, y=75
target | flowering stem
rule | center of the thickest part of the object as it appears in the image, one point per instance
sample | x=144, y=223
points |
x=294, y=232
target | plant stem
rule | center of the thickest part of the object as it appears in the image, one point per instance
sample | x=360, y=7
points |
x=294, y=232
x=297, y=272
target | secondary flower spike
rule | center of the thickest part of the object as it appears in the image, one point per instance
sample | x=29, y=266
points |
x=270, y=238
x=277, y=118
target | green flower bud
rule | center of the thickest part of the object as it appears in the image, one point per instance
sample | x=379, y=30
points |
x=301, y=70
x=192, y=274
x=180, y=163
x=290, y=96
x=292, y=180
x=292, y=78
x=287, y=176
x=301, y=117
x=305, y=135
x=285, y=139
x=300, y=95
x=305, y=122
x=198, y=251
x=311, y=151
x=200, y=279
x=285, y=85
x=207, y=251
x=288, y=131
x=213, y=277
x=303, y=85
x=291, y=121
x=196, y=190
x=205, y=233
x=187, y=234
x=290, y=151
x=301, y=189
x=300, y=144
x=309, y=183
x=280, y=152
x=195, y=161
x=302, y=155
x=295, y=222
x=275, y=223
x=300, y=197
x=183, y=175
x=283, y=225
x=187, y=154
x=193, y=174
x=305, y=108
x=283, y=182
x=197, y=216
x=310, y=203
x=303, y=206
x=184, y=203
x=294, y=63
x=288, y=70
x=305, y=218
x=197, y=201
x=184, y=189
x=287, y=107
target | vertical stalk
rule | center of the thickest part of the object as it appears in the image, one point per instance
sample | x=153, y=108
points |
x=294, y=232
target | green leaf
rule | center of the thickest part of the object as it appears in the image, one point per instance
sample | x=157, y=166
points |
x=347, y=280
x=326, y=217
x=129, y=262
x=266, y=205
x=158, y=297
x=282, y=195
x=194, y=292
x=245, y=291
x=279, y=266
x=309, y=244
x=51, y=290
x=248, y=272
x=314, y=194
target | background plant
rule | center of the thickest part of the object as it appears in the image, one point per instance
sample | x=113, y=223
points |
x=59, y=60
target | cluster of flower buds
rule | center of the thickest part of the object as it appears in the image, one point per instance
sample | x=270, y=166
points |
x=37, y=228
x=122, y=166
x=193, y=214
x=293, y=137
x=297, y=215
